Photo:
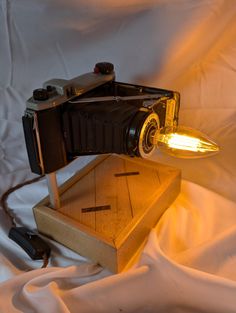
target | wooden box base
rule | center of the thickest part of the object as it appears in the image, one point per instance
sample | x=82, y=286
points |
x=108, y=208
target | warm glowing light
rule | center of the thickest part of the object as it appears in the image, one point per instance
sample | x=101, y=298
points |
x=184, y=142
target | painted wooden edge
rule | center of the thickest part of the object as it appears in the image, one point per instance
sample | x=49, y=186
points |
x=129, y=243
x=134, y=258
x=56, y=216
x=76, y=236
x=168, y=191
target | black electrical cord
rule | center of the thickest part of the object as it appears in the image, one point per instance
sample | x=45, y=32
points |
x=3, y=203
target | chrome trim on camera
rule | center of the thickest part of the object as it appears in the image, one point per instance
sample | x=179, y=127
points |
x=121, y=98
x=68, y=89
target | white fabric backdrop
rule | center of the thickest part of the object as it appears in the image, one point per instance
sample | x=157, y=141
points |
x=188, y=264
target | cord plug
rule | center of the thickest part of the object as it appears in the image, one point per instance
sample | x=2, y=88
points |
x=30, y=242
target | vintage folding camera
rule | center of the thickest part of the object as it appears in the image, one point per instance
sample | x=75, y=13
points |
x=94, y=114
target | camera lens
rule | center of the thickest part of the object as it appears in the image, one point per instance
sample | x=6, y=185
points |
x=150, y=126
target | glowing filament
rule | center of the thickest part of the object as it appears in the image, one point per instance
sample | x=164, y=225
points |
x=184, y=142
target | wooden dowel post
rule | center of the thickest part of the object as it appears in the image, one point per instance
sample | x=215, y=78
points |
x=53, y=190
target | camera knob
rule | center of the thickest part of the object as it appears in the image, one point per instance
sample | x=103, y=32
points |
x=104, y=68
x=40, y=94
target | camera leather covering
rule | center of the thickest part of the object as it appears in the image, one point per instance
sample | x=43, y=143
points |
x=96, y=128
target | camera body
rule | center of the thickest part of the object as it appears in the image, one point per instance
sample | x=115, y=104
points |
x=94, y=114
